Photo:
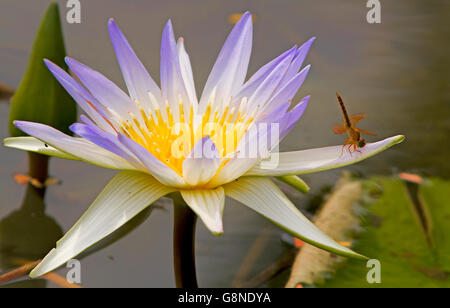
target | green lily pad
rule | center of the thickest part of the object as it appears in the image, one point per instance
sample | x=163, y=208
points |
x=408, y=231
x=39, y=97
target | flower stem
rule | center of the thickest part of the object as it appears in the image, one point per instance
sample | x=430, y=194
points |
x=38, y=166
x=37, y=169
x=184, y=244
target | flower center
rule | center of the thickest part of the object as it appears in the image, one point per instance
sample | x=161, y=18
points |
x=170, y=134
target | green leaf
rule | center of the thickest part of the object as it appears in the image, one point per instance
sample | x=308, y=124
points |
x=407, y=230
x=39, y=97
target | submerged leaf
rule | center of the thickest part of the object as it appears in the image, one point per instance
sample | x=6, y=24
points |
x=407, y=230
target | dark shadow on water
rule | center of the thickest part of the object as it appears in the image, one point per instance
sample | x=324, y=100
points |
x=28, y=234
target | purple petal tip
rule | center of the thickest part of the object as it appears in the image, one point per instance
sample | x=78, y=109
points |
x=50, y=65
x=112, y=26
x=169, y=24
x=246, y=14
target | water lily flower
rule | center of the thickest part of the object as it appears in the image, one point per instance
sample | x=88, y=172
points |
x=137, y=133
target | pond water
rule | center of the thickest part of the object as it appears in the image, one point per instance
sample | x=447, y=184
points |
x=398, y=72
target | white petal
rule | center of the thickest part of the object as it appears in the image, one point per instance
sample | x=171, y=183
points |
x=186, y=71
x=249, y=151
x=202, y=163
x=268, y=87
x=78, y=147
x=264, y=197
x=172, y=83
x=32, y=144
x=315, y=160
x=158, y=169
x=123, y=198
x=208, y=205
x=234, y=168
x=230, y=68
x=136, y=77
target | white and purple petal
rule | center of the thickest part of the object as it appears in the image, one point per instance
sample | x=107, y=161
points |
x=103, y=89
x=136, y=77
x=172, y=82
x=298, y=60
x=35, y=145
x=229, y=70
x=208, y=205
x=85, y=100
x=292, y=117
x=186, y=72
x=321, y=159
x=255, y=81
x=105, y=140
x=287, y=91
x=158, y=169
x=202, y=163
x=78, y=147
x=123, y=198
x=269, y=85
x=264, y=197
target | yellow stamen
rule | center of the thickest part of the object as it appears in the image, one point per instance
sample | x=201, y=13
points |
x=171, y=142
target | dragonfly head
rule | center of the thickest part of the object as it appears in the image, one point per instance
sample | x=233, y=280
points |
x=361, y=143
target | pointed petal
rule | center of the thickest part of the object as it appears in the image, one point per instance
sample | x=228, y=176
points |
x=32, y=144
x=136, y=77
x=85, y=100
x=255, y=81
x=229, y=71
x=293, y=116
x=123, y=198
x=77, y=147
x=264, y=197
x=276, y=121
x=105, y=140
x=274, y=115
x=159, y=170
x=208, y=205
x=235, y=167
x=267, y=88
x=172, y=83
x=202, y=163
x=315, y=160
x=298, y=60
x=103, y=89
x=186, y=71
x=244, y=158
x=288, y=91
x=254, y=145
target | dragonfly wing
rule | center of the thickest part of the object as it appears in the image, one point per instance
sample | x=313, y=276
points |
x=339, y=129
x=365, y=132
x=355, y=118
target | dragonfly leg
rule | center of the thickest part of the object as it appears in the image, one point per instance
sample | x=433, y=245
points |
x=349, y=148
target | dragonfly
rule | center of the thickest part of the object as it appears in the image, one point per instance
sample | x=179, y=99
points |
x=354, y=139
